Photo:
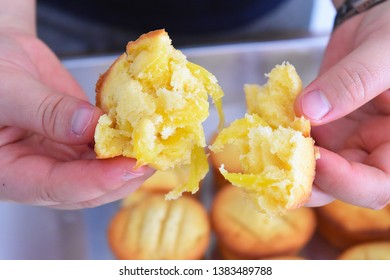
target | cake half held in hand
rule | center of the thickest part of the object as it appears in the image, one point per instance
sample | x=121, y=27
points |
x=277, y=154
x=154, y=103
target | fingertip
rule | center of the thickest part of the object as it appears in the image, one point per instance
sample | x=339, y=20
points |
x=94, y=178
x=83, y=123
x=122, y=169
x=81, y=120
x=120, y=180
x=312, y=104
x=144, y=171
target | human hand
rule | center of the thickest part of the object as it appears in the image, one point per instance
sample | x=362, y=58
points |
x=349, y=107
x=46, y=127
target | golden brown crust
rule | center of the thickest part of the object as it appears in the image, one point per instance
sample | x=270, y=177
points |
x=147, y=36
x=101, y=80
x=102, y=77
x=244, y=233
x=282, y=255
x=344, y=225
x=229, y=255
x=287, y=257
x=153, y=228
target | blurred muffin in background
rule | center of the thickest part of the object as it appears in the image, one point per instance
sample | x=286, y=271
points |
x=148, y=227
x=244, y=233
x=367, y=251
x=287, y=257
x=344, y=225
x=161, y=182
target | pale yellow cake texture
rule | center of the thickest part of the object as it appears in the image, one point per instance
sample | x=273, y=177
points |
x=277, y=154
x=274, y=100
x=154, y=103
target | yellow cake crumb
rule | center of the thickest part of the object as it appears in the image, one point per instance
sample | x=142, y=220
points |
x=277, y=155
x=154, y=103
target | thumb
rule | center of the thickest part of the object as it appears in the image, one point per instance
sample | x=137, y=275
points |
x=33, y=106
x=350, y=83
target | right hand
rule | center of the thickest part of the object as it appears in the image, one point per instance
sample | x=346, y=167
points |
x=349, y=108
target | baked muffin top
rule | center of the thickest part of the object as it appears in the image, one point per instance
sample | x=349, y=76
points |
x=154, y=228
x=242, y=229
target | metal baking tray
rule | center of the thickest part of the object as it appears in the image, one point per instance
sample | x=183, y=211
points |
x=29, y=232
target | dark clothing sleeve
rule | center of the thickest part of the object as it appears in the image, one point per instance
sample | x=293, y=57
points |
x=196, y=16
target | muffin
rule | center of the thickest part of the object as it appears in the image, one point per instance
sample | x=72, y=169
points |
x=242, y=232
x=154, y=103
x=344, y=225
x=276, y=153
x=152, y=228
x=367, y=251
x=135, y=198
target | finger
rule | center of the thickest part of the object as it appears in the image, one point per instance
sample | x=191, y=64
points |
x=114, y=195
x=353, y=81
x=353, y=182
x=33, y=56
x=43, y=181
x=33, y=106
x=382, y=103
x=54, y=74
x=370, y=135
x=343, y=128
x=319, y=198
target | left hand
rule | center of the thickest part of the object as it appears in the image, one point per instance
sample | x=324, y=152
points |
x=46, y=127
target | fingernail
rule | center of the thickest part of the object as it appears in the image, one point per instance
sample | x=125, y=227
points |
x=128, y=175
x=315, y=105
x=81, y=120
